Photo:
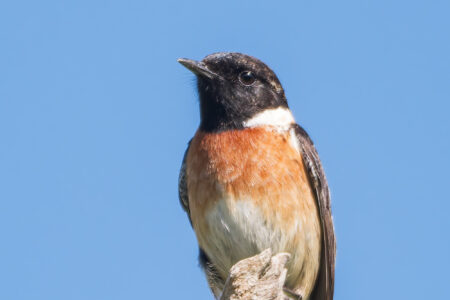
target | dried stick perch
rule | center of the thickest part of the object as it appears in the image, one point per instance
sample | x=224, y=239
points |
x=260, y=277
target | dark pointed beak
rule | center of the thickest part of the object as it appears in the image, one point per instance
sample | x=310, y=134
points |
x=197, y=67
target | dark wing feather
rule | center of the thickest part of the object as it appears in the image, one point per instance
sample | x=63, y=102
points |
x=324, y=287
x=182, y=185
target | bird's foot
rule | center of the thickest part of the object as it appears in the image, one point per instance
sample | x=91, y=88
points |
x=291, y=294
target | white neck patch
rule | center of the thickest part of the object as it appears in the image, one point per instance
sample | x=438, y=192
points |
x=280, y=117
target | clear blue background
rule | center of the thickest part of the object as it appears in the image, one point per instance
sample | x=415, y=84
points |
x=95, y=114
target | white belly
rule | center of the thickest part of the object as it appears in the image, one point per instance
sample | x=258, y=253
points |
x=237, y=229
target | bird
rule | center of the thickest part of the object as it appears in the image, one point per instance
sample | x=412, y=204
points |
x=251, y=178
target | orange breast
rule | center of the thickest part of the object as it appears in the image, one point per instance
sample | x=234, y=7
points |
x=255, y=163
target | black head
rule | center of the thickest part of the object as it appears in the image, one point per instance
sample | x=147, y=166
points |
x=234, y=87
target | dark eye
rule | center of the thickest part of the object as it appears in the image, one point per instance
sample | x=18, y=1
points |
x=247, y=78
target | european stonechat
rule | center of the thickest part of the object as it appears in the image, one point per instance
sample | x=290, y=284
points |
x=251, y=178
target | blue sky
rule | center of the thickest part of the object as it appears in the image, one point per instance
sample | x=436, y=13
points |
x=95, y=114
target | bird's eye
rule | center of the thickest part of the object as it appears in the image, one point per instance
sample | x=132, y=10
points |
x=247, y=78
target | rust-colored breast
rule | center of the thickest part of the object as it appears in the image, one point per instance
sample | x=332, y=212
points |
x=255, y=163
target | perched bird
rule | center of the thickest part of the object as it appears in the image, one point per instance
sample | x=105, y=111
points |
x=251, y=178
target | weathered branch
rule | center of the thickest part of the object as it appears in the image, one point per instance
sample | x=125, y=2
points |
x=260, y=277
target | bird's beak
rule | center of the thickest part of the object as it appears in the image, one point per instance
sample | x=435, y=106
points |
x=197, y=67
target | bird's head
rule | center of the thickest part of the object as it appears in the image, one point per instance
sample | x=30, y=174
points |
x=237, y=91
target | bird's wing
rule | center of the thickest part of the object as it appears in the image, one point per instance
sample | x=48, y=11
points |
x=324, y=287
x=182, y=185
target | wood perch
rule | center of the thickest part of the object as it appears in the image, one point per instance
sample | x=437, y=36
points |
x=260, y=277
